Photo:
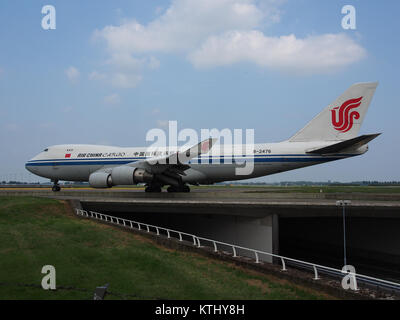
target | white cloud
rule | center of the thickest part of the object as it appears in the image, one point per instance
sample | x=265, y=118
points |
x=117, y=79
x=96, y=76
x=72, y=73
x=112, y=99
x=158, y=10
x=125, y=80
x=125, y=70
x=153, y=63
x=125, y=61
x=212, y=33
x=185, y=24
x=313, y=54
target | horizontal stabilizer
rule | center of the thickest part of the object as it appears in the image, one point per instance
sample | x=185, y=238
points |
x=354, y=143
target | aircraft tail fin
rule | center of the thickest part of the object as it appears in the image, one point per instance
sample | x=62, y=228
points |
x=342, y=119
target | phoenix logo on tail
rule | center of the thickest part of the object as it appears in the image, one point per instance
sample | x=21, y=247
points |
x=346, y=115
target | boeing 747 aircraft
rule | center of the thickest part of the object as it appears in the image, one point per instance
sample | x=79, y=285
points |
x=330, y=136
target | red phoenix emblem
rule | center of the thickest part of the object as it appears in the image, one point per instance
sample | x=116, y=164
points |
x=67, y=155
x=346, y=115
x=205, y=146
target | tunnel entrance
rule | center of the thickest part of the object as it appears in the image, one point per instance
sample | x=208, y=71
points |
x=373, y=244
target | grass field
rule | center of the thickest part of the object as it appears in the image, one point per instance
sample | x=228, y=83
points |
x=35, y=232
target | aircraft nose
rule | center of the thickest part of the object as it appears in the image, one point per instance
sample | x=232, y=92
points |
x=28, y=167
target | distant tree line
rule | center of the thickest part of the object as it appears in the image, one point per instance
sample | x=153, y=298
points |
x=282, y=183
x=316, y=183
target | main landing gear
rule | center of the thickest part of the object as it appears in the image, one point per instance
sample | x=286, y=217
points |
x=156, y=188
x=56, y=187
x=182, y=188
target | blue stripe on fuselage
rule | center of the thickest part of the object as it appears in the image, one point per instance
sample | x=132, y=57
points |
x=121, y=161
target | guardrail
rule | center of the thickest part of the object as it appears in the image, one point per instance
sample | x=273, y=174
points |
x=197, y=241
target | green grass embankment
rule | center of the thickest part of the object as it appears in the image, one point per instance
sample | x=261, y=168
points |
x=35, y=232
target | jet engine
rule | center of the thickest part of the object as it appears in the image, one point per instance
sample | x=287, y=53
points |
x=100, y=180
x=122, y=175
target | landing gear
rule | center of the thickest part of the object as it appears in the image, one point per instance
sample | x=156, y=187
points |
x=182, y=188
x=153, y=188
x=156, y=188
x=56, y=187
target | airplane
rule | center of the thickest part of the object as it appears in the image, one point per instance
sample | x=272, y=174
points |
x=330, y=136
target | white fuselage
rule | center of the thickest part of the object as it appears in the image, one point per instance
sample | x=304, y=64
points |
x=77, y=162
x=331, y=135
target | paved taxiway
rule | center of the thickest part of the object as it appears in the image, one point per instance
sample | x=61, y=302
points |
x=245, y=201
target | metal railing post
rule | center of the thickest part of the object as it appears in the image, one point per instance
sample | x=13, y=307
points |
x=315, y=273
x=234, y=251
x=215, y=246
x=283, y=265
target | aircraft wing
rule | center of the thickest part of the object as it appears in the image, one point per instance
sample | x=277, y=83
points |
x=173, y=166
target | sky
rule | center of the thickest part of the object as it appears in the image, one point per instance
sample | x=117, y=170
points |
x=112, y=70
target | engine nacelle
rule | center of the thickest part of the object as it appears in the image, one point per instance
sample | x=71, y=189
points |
x=100, y=180
x=125, y=175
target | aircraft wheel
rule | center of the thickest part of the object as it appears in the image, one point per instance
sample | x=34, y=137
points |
x=183, y=188
x=56, y=188
x=157, y=189
x=153, y=189
x=171, y=189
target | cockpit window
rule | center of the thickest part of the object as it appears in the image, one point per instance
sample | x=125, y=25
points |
x=45, y=150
